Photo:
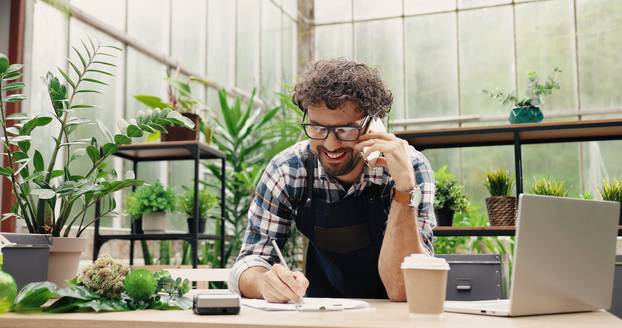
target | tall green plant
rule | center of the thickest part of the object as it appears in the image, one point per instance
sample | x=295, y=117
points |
x=249, y=137
x=52, y=199
x=612, y=190
x=499, y=183
x=549, y=187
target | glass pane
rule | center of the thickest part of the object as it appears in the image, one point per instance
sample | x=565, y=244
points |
x=431, y=66
x=545, y=40
x=291, y=7
x=563, y=165
x=270, y=51
x=426, y=6
x=220, y=46
x=441, y=157
x=111, y=12
x=149, y=22
x=602, y=161
x=49, y=30
x=247, y=47
x=462, y=4
x=289, y=56
x=188, y=30
x=379, y=43
x=5, y=26
x=333, y=41
x=486, y=58
x=599, y=43
x=367, y=9
x=327, y=11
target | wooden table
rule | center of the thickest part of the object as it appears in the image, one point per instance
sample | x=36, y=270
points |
x=382, y=314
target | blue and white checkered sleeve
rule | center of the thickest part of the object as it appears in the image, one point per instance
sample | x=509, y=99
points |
x=269, y=217
x=426, y=220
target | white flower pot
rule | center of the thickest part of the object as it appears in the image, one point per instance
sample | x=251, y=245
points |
x=154, y=222
x=64, y=259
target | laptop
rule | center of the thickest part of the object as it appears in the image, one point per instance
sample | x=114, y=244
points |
x=564, y=259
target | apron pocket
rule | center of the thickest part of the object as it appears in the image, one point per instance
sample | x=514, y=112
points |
x=342, y=240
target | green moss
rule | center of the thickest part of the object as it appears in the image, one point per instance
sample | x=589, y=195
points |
x=140, y=284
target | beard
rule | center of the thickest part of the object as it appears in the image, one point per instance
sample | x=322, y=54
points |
x=348, y=164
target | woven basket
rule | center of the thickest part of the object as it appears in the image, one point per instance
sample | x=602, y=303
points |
x=501, y=210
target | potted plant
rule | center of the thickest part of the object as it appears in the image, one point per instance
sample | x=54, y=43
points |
x=612, y=190
x=528, y=109
x=185, y=204
x=154, y=202
x=51, y=198
x=500, y=205
x=449, y=197
x=549, y=187
x=180, y=99
x=133, y=210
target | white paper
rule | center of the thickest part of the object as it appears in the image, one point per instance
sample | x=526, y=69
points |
x=309, y=304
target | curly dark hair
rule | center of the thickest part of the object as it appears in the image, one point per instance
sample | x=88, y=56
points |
x=333, y=82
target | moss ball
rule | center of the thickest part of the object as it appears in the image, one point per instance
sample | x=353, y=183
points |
x=140, y=284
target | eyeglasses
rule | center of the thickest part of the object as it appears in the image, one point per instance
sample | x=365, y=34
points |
x=342, y=132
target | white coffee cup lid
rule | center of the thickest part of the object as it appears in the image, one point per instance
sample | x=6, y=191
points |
x=422, y=261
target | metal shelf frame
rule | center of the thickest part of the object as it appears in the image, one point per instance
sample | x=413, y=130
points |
x=171, y=151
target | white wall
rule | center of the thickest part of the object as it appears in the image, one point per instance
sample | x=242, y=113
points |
x=5, y=20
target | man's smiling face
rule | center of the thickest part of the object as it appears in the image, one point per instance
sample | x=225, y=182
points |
x=337, y=157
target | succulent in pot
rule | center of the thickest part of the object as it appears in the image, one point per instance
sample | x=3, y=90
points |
x=154, y=202
x=500, y=205
x=612, y=191
x=449, y=197
x=206, y=201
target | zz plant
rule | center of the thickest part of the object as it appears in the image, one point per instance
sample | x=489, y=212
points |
x=50, y=197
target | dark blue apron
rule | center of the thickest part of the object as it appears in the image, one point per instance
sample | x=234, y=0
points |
x=344, y=240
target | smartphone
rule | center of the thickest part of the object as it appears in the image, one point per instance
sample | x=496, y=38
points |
x=375, y=125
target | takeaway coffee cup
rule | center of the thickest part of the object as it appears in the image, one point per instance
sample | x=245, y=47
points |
x=425, y=278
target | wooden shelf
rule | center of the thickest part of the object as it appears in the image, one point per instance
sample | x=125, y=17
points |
x=533, y=133
x=168, y=151
x=482, y=231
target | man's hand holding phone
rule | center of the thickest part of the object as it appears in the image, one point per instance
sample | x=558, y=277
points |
x=394, y=152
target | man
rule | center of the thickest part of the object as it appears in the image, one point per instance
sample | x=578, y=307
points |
x=360, y=221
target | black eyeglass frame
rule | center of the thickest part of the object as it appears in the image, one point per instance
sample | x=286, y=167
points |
x=333, y=129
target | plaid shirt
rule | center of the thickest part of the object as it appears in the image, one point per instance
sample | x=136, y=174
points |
x=281, y=189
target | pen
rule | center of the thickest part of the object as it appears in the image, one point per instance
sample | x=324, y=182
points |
x=278, y=252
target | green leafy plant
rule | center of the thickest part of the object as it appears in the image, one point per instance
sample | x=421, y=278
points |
x=534, y=91
x=140, y=289
x=612, y=190
x=52, y=198
x=155, y=198
x=549, y=187
x=586, y=195
x=449, y=193
x=499, y=183
x=180, y=99
x=207, y=201
x=249, y=138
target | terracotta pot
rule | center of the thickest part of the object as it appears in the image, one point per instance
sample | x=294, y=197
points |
x=176, y=133
x=154, y=222
x=64, y=259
